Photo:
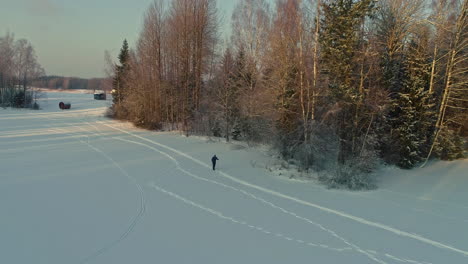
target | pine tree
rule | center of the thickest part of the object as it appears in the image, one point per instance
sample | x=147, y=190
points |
x=412, y=114
x=339, y=40
x=120, y=78
x=450, y=145
x=228, y=91
x=406, y=139
x=244, y=81
x=419, y=70
x=406, y=76
x=240, y=80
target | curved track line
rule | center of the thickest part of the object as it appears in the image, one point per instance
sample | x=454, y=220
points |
x=135, y=219
x=310, y=204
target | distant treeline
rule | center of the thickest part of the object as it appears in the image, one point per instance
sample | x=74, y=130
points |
x=18, y=67
x=60, y=82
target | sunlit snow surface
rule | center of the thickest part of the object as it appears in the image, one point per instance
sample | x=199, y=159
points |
x=76, y=187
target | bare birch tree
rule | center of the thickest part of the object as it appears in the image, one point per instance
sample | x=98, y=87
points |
x=251, y=22
x=7, y=55
x=27, y=68
x=452, y=113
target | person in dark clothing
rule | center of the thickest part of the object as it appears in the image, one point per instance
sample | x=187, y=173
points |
x=213, y=160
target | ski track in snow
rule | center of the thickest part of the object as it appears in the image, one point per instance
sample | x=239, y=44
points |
x=238, y=190
x=306, y=203
x=368, y=253
x=331, y=232
x=233, y=220
x=70, y=113
x=135, y=220
x=405, y=260
x=44, y=139
x=21, y=149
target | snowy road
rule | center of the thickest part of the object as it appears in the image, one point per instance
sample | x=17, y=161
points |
x=76, y=187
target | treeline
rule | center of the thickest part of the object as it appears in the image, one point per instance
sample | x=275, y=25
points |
x=60, y=82
x=337, y=85
x=163, y=81
x=18, y=67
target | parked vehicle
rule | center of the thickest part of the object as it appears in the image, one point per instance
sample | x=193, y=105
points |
x=99, y=95
x=63, y=105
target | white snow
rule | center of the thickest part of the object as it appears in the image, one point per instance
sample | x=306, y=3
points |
x=76, y=187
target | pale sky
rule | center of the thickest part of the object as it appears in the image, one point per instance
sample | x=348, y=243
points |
x=70, y=36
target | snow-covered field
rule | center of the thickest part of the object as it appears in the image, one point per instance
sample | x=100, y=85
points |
x=76, y=187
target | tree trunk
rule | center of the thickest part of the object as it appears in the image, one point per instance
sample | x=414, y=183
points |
x=315, y=56
x=434, y=59
x=448, y=80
